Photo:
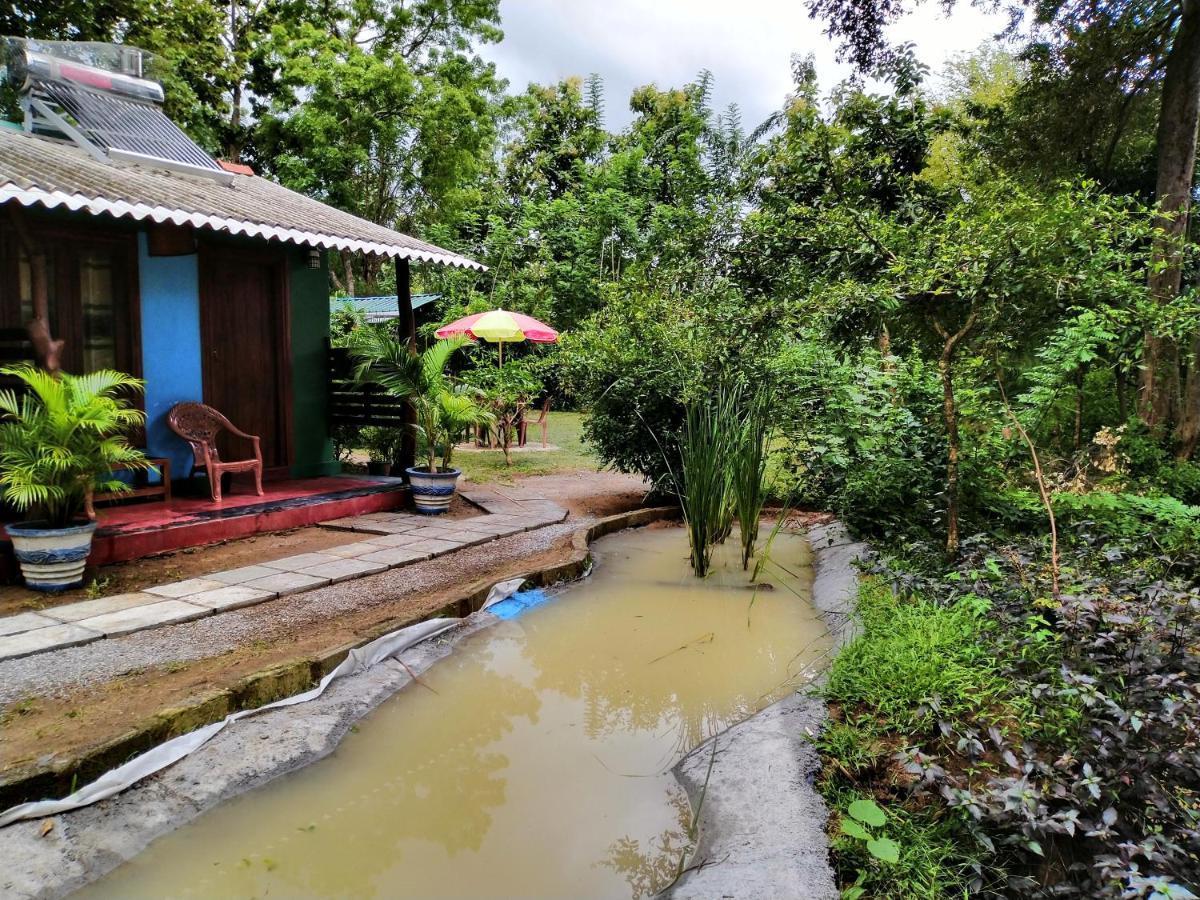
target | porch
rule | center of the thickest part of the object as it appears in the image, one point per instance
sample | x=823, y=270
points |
x=134, y=530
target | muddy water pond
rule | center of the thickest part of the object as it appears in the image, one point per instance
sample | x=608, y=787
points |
x=535, y=760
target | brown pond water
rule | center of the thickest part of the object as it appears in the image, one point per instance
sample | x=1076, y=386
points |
x=541, y=765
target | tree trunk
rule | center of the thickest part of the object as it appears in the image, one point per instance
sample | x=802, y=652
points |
x=47, y=351
x=1187, y=434
x=1077, y=431
x=348, y=268
x=1178, y=117
x=950, y=417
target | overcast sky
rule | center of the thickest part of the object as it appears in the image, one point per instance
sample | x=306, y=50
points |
x=748, y=45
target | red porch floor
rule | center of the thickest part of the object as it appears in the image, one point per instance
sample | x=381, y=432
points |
x=134, y=530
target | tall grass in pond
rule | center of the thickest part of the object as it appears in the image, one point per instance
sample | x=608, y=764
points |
x=702, y=482
x=748, y=468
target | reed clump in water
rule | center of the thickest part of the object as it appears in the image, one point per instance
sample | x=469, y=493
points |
x=748, y=488
x=722, y=475
x=702, y=484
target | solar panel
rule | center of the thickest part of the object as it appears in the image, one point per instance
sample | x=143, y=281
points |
x=123, y=126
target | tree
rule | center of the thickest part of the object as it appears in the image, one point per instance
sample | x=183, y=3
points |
x=1148, y=47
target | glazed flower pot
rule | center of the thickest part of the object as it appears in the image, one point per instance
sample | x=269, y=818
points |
x=52, y=559
x=432, y=491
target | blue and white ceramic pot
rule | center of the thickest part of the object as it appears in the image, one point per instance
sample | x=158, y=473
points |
x=432, y=491
x=52, y=559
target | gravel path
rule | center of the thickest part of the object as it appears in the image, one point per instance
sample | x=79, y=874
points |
x=59, y=673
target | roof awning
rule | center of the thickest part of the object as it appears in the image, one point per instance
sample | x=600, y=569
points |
x=36, y=171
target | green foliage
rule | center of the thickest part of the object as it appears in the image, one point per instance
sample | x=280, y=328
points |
x=382, y=444
x=1173, y=525
x=1067, y=776
x=915, y=663
x=61, y=438
x=915, y=655
x=863, y=437
x=420, y=378
x=861, y=822
x=506, y=391
x=748, y=485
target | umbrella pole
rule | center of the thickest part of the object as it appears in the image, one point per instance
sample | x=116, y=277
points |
x=501, y=354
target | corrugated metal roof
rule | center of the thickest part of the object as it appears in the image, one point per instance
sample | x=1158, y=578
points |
x=380, y=309
x=36, y=171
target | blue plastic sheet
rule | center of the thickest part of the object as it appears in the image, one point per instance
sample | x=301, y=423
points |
x=522, y=601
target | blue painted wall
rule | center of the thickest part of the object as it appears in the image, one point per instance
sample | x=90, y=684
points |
x=170, y=300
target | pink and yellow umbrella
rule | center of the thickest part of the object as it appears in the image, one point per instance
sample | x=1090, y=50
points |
x=500, y=326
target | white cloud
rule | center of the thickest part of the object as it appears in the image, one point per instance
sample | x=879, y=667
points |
x=748, y=45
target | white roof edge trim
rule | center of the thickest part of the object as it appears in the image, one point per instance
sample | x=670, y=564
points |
x=160, y=214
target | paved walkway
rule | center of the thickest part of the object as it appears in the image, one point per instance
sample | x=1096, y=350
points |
x=397, y=539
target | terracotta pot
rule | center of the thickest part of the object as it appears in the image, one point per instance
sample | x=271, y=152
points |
x=378, y=468
x=432, y=491
x=52, y=559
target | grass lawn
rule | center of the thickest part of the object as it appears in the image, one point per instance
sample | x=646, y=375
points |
x=565, y=431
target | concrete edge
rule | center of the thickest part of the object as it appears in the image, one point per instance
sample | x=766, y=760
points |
x=760, y=823
x=62, y=776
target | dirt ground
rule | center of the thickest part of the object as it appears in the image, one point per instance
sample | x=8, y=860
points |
x=594, y=494
x=57, y=705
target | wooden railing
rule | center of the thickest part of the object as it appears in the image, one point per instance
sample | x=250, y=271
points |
x=360, y=405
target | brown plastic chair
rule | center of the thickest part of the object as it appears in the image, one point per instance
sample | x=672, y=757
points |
x=541, y=423
x=199, y=425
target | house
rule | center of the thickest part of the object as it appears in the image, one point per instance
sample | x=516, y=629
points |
x=209, y=283
x=381, y=309
x=198, y=276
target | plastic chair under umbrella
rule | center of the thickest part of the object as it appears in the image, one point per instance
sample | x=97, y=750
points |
x=500, y=327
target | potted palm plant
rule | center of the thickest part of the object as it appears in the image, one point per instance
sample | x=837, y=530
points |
x=442, y=413
x=59, y=442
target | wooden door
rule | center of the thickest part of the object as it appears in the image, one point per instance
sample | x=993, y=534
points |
x=246, y=351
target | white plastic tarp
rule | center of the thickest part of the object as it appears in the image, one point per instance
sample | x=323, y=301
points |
x=158, y=758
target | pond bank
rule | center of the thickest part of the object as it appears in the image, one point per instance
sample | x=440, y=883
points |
x=760, y=822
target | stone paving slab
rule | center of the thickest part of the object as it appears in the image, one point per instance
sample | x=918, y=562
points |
x=26, y=621
x=467, y=538
x=395, y=539
x=387, y=528
x=54, y=637
x=360, y=548
x=300, y=561
x=433, y=545
x=435, y=531
x=284, y=583
x=232, y=596
x=348, y=523
x=242, y=575
x=395, y=556
x=139, y=618
x=345, y=569
x=75, y=612
x=177, y=589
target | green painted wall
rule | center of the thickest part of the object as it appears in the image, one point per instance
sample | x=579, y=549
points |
x=310, y=332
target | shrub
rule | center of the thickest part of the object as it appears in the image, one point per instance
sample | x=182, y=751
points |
x=863, y=438
x=62, y=438
x=635, y=365
x=1064, y=734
